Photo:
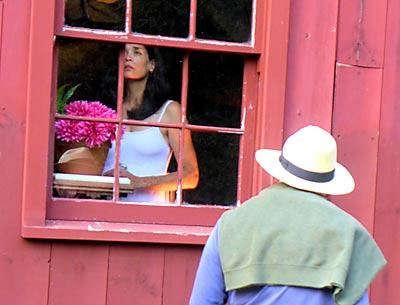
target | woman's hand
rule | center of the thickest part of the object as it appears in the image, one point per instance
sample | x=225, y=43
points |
x=135, y=181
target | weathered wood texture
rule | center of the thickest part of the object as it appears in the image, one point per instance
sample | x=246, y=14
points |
x=387, y=213
x=356, y=114
x=311, y=64
x=272, y=68
x=1, y=22
x=362, y=32
x=23, y=264
x=78, y=274
x=97, y=273
x=179, y=272
x=135, y=273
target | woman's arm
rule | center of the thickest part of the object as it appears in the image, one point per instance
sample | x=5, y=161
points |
x=190, y=171
x=189, y=163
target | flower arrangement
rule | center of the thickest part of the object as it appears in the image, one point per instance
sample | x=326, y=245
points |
x=93, y=134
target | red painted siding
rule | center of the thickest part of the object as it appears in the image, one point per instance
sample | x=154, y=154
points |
x=311, y=64
x=180, y=270
x=387, y=213
x=362, y=32
x=135, y=273
x=21, y=263
x=78, y=274
x=356, y=128
x=1, y=23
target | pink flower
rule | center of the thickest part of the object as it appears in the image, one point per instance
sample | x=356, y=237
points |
x=91, y=133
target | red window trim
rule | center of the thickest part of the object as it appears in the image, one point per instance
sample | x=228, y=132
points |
x=37, y=214
x=173, y=42
x=191, y=42
x=121, y=232
x=1, y=22
x=88, y=210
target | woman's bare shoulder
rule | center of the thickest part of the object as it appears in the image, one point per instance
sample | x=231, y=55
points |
x=172, y=113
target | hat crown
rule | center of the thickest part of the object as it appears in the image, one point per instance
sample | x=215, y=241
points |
x=312, y=149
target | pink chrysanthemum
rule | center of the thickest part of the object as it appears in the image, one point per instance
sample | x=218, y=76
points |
x=91, y=133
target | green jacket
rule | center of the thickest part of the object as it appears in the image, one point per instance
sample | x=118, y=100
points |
x=285, y=236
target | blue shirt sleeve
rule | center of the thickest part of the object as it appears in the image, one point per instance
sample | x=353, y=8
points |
x=209, y=286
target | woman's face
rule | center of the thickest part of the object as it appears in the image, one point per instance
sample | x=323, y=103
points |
x=137, y=63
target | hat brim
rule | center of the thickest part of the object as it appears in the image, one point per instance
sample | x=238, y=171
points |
x=342, y=182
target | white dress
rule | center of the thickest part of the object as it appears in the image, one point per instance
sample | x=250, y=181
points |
x=143, y=153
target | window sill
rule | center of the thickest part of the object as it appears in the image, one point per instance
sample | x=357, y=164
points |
x=121, y=232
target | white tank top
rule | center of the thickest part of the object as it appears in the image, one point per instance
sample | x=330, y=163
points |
x=143, y=153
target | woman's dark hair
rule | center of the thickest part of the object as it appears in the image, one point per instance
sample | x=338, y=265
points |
x=157, y=88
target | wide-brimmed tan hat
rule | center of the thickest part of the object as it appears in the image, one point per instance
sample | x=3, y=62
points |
x=308, y=162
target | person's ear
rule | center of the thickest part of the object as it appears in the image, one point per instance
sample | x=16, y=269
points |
x=152, y=65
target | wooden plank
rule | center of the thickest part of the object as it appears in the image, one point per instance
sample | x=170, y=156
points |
x=387, y=215
x=78, y=274
x=249, y=121
x=311, y=64
x=1, y=26
x=153, y=40
x=179, y=273
x=272, y=85
x=356, y=129
x=39, y=73
x=23, y=268
x=116, y=231
x=361, y=35
x=24, y=265
x=192, y=215
x=135, y=275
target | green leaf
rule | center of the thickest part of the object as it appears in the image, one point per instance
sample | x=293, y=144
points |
x=60, y=95
x=70, y=92
x=64, y=96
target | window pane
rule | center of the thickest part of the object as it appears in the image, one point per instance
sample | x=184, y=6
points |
x=171, y=61
x=96, y=14
x=217, y=156
x=92, y=66
x=80, y=150
x=224, y=20
x=144, y=152
x=166, y=18
x=215, y=89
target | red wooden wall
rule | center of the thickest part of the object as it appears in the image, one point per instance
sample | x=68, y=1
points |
x=342, y=69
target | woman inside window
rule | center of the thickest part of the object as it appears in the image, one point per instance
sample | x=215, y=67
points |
x=146, y=151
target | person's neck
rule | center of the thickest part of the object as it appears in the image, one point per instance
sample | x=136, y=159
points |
x=134, y=93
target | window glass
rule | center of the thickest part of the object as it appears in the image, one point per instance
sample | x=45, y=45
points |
x=166, y=18
x=144, y=152
x=224, y=20
x=96, y=14
x=84, y=168
x=92, y=66
x=215, y=89
x=172, y=61
x=87, y=86
x=80, y=149
x=217, y=156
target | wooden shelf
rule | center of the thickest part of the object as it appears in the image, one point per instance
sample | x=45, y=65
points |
x=68, y=185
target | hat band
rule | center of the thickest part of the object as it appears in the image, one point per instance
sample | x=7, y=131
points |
x=305, y=174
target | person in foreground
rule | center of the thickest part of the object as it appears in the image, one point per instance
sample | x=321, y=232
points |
x=289, y=245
